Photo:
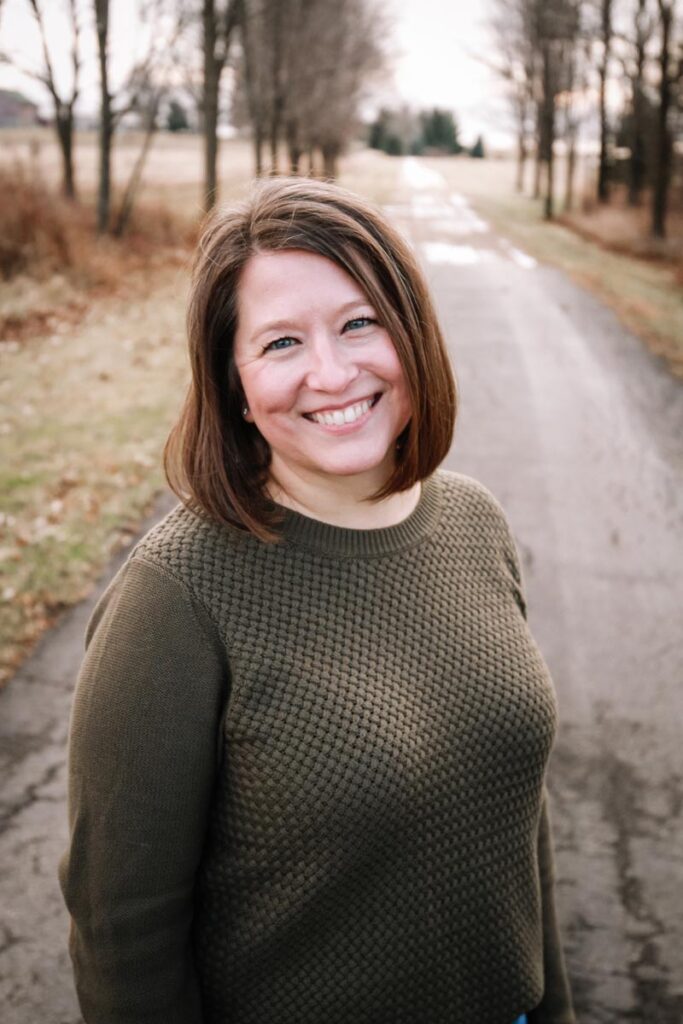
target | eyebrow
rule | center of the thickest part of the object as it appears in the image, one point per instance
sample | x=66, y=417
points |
x=285, y=325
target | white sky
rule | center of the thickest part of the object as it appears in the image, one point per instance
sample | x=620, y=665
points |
x=435, y=45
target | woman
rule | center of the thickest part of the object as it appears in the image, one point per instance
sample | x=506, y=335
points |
x=310, y=734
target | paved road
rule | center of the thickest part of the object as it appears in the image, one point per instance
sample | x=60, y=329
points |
x=577, y=430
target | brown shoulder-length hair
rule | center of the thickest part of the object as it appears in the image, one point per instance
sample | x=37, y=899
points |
x=215, y=461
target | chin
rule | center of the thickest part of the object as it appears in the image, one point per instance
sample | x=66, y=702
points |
x=355, y=467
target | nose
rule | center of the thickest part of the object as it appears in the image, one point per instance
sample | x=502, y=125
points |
x=332, y=367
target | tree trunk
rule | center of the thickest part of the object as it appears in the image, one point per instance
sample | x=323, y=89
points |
x=254, y=99
x=664, y=142
x=274, y=169
x=136, y=174
x=64, y=126
x=258, y=151
x=106, y=124
x=538, y=156
x=603, y=181
x=521, y=162
x=571, y=170
x=603, y=186
x=538, y=167
x=637, y=161
x=212, y=70
x=330, y=161
x=548, y=130
x=277, y=99
x=294, y=158
x=549, y=200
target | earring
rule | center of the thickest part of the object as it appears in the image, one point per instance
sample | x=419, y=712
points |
x=245, y=410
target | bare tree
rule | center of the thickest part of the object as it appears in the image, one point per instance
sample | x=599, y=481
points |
x=276, y=14
x=605, y=38
x=251, y=95
x=218, y=20
x=303, y=68
x=541, y=55
x=667, y=79
x=557, y=32
x=354, y=29
x=576, y=78
x=106, y=120
x=140, y=92
x=635, y=67
x=270, y=72
x=63, y=102
x=513, y=24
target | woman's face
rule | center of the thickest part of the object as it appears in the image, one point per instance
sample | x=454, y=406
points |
x=321, y=377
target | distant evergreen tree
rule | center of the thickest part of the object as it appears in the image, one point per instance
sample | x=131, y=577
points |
x=477, y=150
x=402, y=131
x=393, y=145
x=379, y=129
x=440, y=130
x=177, y=118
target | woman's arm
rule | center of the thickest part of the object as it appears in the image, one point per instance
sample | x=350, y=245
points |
x=142, y=764
x=556, y=1005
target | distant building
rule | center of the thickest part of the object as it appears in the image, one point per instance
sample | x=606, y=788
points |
x=16, y=111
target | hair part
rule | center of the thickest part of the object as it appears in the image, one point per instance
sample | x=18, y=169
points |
x=215, y=461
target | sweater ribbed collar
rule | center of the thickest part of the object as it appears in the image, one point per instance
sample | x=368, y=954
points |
x=341, y=541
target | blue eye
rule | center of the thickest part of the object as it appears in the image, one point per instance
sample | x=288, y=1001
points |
x=358, y=323
x=279, y=344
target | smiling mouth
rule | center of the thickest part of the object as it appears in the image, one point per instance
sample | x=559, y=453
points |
x=340, y=417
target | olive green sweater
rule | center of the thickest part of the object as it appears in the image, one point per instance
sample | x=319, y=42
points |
x=307, y=779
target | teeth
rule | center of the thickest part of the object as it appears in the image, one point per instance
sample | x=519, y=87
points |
x=341, y=416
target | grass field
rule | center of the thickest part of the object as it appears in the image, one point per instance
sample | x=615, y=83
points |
x=90, y=387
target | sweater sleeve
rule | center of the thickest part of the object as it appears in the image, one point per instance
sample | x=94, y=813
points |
x=142, y=761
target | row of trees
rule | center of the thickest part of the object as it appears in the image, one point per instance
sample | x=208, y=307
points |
x=406, y=131
x=299, y=70
x=302, y=70
x=614, y=64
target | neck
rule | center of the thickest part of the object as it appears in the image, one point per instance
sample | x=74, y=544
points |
x=342, y=501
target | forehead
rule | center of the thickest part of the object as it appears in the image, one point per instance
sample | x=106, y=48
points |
x=292, y=281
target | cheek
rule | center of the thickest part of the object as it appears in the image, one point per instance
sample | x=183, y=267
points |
x=269, y=392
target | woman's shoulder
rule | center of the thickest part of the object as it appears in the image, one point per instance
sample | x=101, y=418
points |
x=184, y=563
x=476, y=520
x=189, y=546
x=466, y=497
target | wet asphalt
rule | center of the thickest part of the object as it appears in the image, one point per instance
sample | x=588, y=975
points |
x=578, y=430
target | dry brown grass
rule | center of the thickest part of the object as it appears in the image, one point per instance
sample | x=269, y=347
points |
x=52, y=261
x=626, y=229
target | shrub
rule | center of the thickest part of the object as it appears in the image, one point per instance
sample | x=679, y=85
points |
x=44, y=234
x=41, y=232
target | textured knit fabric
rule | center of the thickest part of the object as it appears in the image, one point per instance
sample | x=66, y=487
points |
x=307, y=778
